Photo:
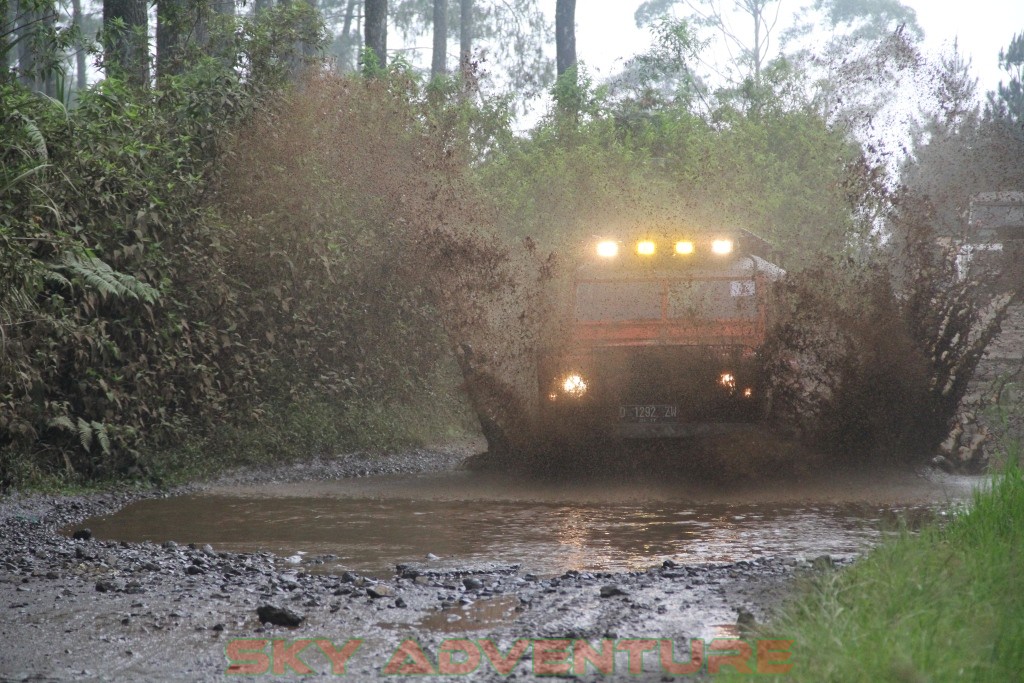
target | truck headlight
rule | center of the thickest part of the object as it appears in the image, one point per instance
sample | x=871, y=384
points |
x=574, y=385
x=607, y=249
x=684, y=247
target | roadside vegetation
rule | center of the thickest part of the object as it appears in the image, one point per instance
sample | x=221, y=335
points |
x=156, y=325
x=943, y=604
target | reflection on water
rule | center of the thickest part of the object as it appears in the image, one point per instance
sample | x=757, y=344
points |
x=371, y=535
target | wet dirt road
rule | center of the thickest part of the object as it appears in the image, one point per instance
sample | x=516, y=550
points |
x=424, y=555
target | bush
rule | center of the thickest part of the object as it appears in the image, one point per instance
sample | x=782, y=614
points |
x=119, y=327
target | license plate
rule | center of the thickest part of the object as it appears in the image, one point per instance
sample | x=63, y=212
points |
x=649, y=414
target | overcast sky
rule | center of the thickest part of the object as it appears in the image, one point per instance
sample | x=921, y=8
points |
x=606, y=33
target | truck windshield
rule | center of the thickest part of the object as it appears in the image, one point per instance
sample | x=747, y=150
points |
x=712, y=299
x=686, y=299
x=596, y=301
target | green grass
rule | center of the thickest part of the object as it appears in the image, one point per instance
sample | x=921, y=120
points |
x=943, y=605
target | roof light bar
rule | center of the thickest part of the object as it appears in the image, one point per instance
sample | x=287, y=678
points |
x=721, y=247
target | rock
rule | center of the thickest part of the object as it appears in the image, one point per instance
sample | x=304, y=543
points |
x=289, y=581
x=192, y=570
x=208, y=550
x=472, y=583
x=169, y=545
x=822, y=562
x=943, y=464
x=349, y=577
x=104, y=586
x=270, y=614
x=611, y=591
x=399, y=602
x=380, y=590
x=745, y=621
x=134, y=588
x=82, y=534
x=432, y=556
x=669, y=564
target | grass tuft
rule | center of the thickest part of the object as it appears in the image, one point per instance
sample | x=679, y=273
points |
x=946, y=604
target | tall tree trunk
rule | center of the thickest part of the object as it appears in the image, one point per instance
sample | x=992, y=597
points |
x=39, y=61
x=565, y=35
x=439, y=64
x=80, y=69
x=26, y=47
x=51, y=63
x=346, y=36
x=172, y=23
x=126, y=48
x=376, y=30
x=225, y=7
x=10, y=50
x=219, y=45
x=465, y=32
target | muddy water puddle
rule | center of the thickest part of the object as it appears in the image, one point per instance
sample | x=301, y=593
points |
x=457, y=520
x=480, y=615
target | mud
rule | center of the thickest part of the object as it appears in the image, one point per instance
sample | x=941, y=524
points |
x=99, y=608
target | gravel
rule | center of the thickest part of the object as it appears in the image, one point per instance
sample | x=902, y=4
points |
x=79, y=608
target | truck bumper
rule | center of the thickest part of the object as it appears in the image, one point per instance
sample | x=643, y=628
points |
x=678, y=430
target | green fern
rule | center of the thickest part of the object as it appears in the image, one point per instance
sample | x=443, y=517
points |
x=99, y=430
x=53, y=277
x=35, y=136
x=107, y=281
x=85, y=434
x=63, y=422
x=89, y=432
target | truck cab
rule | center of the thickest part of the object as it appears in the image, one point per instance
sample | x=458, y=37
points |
x=664, y=338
